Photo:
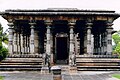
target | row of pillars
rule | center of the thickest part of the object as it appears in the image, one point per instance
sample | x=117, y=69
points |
x=102, y=42
x=31, y=49
x=16, y=39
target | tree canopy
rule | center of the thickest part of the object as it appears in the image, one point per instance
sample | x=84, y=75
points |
x=3, y=38
x=116, y=47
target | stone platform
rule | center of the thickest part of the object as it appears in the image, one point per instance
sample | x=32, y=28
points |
x=97, y=63
x=65, y=76
x=20, y=62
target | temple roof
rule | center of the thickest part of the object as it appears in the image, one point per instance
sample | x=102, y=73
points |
x=60, y=11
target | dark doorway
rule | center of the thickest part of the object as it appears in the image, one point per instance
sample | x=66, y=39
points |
x=61, y=50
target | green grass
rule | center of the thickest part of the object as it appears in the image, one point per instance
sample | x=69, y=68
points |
x=1, y=78
x=116, y=76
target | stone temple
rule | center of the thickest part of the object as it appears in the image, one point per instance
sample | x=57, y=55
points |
x=69, y=37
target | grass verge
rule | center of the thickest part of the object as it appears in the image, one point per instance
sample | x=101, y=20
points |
x=116, y=76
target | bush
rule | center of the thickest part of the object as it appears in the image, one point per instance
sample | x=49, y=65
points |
x=3, y=52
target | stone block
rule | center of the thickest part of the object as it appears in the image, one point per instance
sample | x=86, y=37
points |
x=45, y=70
x=57, y=77
x=56, y=70
x=73, y=70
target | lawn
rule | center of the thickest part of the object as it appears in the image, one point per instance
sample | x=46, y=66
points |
x=116, y=76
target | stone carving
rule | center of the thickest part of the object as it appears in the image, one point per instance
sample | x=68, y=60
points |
x=46, y=60
x=72, y=60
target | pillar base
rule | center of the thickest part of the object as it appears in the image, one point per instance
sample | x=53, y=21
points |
x=45, y=70
x=109, y=53
x=72, y=70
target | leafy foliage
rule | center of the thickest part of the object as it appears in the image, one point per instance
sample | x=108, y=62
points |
x=3, y=38
x=116, y=38
x=116, y=47
x=3, y=52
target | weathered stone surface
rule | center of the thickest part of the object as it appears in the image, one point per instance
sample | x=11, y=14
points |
x=38, y=76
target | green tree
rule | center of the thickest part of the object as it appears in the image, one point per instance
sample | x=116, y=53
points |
x=3, y=38
x=116, y=38
x=116, y=47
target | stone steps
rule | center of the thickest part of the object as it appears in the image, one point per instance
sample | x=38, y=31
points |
x=93, y=63
x=20, y=69
x=20, y=66
x=23, y=63
x=98, y=60
x=97, y=69
x=99, y=66
x=65, y=68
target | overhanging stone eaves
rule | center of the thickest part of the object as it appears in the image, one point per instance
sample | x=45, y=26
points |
x=60, y=11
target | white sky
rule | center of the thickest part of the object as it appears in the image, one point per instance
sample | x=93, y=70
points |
x=44, y=4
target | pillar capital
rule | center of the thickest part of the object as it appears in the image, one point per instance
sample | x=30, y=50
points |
x=32, y=24
x=109, y=27
x=10, y=24
x=71, y=24
x=48, y=22
x=89, y=23
x=48, y=27
x=89, y=27
x=109, y=24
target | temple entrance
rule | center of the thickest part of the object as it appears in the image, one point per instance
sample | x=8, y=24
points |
x=61, y=55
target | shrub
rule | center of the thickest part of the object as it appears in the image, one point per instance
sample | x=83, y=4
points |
x=3, y=52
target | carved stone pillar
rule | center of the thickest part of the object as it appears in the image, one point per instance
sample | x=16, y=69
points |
x=48, y=59
x=28, y=44
x=22, y=43
x=19, y=42
x=105, y=42
x=25, y=43
x=92, y=44
x=48, y=46
x=71, y=40
x=109, y=38
x=89, y=50
x=36, y=42
x=10, y=38
x=95, y=45
x=72, y=45
x=15, y=43
x=77, y=44
x=32, y=46
x=102, y=45
x=98, y=43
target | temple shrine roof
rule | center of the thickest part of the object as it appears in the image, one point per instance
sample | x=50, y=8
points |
x=60, y=11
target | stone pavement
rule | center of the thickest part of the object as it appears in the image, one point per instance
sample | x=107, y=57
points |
x=65, y=76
